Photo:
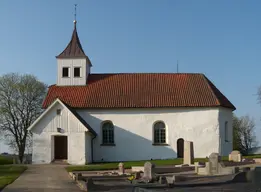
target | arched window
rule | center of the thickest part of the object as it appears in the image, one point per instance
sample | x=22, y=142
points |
x=107, y=133
x=159, y=132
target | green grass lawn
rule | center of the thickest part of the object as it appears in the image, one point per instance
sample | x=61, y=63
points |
x=9, y=173
x=252, y=156
x=4, y=160
x=129, y=164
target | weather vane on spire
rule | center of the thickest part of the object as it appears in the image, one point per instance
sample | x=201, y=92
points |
x=75, y=8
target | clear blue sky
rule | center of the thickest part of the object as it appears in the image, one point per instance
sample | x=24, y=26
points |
x=218, y=38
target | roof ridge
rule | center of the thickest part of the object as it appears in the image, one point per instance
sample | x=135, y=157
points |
x=141, y=91
x=147, y=73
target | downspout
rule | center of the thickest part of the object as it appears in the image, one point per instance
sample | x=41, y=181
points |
x=92, y=146
x=220, y=145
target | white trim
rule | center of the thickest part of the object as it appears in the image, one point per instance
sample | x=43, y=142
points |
x=47, y=110
x=43, y=114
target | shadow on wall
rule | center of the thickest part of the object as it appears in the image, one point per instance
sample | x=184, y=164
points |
x=129, y=146
x=48, y=119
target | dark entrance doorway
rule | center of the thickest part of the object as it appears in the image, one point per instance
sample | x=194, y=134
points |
x=180, y=148
x=60, y=147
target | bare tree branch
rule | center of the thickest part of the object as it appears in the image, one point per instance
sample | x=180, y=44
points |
x=244, y=133
x=21, y=97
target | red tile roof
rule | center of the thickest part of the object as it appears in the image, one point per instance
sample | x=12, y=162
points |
x=140, y=90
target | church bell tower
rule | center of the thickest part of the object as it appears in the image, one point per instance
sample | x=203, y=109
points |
x=73, y=66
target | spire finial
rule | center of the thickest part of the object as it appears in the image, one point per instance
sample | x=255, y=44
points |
x=75, y=8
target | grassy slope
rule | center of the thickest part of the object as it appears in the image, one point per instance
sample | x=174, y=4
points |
x=129, y=164
x=9, y=173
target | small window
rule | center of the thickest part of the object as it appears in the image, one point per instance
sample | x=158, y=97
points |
x=107, y=133
x=159, y=133
x=77, y=72
x=58, y=111
x=226, y=132
x=65, y=71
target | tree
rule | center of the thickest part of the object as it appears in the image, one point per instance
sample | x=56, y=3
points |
x=244, y=134
x=237, y=143
x=21, y=98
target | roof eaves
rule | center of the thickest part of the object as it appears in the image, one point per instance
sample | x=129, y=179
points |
x=72, y=47
x=217, y=98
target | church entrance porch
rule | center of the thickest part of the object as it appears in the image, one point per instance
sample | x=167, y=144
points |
x=180, y=148
x=60, y=148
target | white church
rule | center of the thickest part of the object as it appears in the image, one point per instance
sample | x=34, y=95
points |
x=105, y=117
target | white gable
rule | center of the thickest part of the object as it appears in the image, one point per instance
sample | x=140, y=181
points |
x=49, y=121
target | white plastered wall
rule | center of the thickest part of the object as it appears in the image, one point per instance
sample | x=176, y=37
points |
x=225, y=115
x=71, y=63
x=134, y=135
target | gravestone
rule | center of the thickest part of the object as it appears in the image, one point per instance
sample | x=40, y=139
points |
x=121, y=169
x=235, y=156
x=216, y=167
x=207, y=168
x=188, y=156
x=214, y=163
x=149, y=171
x=170, y=181
x=196, y=166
